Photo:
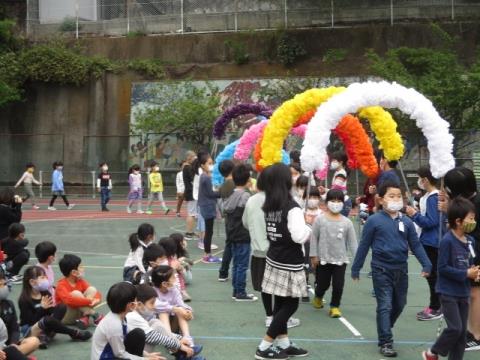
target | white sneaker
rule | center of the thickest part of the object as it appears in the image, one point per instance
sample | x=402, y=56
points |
x=268, y=321
x=140, y=212
x=293, y=322
x=129, y=210
x=51, y=208
x=200, y=245
x=35, y=207
x=214, y=247
x=71, y=206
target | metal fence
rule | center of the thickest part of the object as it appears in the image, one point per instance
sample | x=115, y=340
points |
x=130, y=17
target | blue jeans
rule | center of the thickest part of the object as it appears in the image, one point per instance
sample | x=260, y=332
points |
x=226, y=260
x=104, y=196
x=391, y=287
x=241, y=257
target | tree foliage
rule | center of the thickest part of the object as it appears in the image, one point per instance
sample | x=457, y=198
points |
x=181, y=108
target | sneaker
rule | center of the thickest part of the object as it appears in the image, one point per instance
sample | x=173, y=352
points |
x=129, y=210
x=44, y=341
x=472, y=343
x=268, y=321
x=369, y=275
x=427, y=356
x=188, y=236
x=98, y=319
x=429, y=314
x=294, y=351
x=35, y=207
x=167, y=210
x=70, y=207
x=200, y=245
x=245, y=297
x=335, y=313
x=178, y=214
x=51, y=208
x=105, y=209
x=140, y=212
x=15, y=279
x=214, y=247
x=387, y=350
x=305, y=299
x=272, y=352
x=211, y=260
x=83, y=323
x=81, y=335
x=197, y=349
x=186, y=297
x=149, y=212
x=223, y=279
x=317, y=302
x=293, y=322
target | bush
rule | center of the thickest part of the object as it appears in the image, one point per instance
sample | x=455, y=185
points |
x=238, y=50
x=289, y=50
x=69, y=24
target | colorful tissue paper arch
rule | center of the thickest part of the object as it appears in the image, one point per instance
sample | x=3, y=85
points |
x=387, y=95
x=222, y=122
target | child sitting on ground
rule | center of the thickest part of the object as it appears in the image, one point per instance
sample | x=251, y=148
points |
x=111, y=339
x=45, y=252
x=183, y=257
x=14, y=247
x=169, y=301
x=11, y=352
x=170, y=247
x=134, y=267
x=155, y=334
x=77, y=294
x=38, y=315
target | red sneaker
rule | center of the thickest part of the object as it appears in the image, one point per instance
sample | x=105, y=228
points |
x=83, y=323
x=427, y=356
x=98, y=319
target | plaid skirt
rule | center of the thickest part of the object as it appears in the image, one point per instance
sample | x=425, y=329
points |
x=284, y=283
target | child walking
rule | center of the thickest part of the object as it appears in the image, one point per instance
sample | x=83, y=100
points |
x=104, y=186
x=180, y=186
x=156, y=190
x=333, y=236
x=135, y=267
x=28, y=180
x=57, y=186
x=226, y=189
x=135, y=194
x=455, y=270
x=390, y=235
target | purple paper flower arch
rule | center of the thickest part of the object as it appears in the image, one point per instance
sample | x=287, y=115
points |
x=241, y=109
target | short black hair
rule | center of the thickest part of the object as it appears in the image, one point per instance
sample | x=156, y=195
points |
x=120, y=295
x=424, y=172
x=261, y=182
x=44, y=250
x=68, y=263
x=313, y=192
x=335, y=194
x=241, y=175
x=169, y=245
x=102, y=163
x=302, y=181
x=7, y=196
x=296, y=167
x=460, y=181
x=145, y=292
x=57, y=163
x=160, y=274
x=340, y=156
x=226, y=167
x=153, y=252
x=295, y=156
x=29, y=165
x=15, y=229
x=385, y=186
x=459, y=208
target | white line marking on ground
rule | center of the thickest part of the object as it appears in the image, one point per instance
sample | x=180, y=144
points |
x=350, y=327
x=85, y=253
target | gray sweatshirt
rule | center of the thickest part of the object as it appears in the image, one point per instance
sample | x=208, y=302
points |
x=331, y=239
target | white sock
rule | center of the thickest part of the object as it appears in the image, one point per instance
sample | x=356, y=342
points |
x=283, y=343
x=264, y=345
x=269, y=318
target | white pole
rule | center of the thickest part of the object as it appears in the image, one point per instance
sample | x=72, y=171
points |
x=93, y=184
x=28, y=19
x=391, y=12
x=285, y=14
x=453, y=9
x=182, y=17
x=40, y=178
x=76, y=16
x=236, y=16
x=128, y=17
x=332, y=16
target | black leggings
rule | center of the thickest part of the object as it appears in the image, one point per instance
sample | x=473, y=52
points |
x=14, y=354
x=267, y=300
x=54, y=197
x=432, y=254
x=53, y=323
x=18, y=261
x=135, y=342
x=330, y=274
x=207, y=240
x=283, y=309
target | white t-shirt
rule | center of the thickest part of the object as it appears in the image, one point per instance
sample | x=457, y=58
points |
x=179, y=183
x=135, y=320
x=196, y=184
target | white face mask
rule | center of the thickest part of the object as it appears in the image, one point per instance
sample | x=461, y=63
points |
x=313, y=203
x=420, y=184
x=156, y=168
x=294, y=179
x=394, y=205
x=335, y=207
x=210, y=168
x=105, y=168
x=334, y=165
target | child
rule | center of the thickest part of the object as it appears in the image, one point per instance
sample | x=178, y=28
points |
x=180, y=189
x=57, y=186
x=8, y=317
x=45, y=252
x=156, y=189
x=28, y=180
x=207, y=203
x=104, y=186
x=455, y=270
x=76, y=293
x=11, y=352
x=183, y=257
x=332, y=235
x=15, y=250
x=135, y=194
x=134, y=267
x=112, y=338
x=390, y=235
x=143, y=317
x=300, y=195
x=38, y=315
x=239, y=236
x=339, y=181
x=170, y=246
x=153, y=256
x=226, y=189
x=169, y=301
x=427, y=219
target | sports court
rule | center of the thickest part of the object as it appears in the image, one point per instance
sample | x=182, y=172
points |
x=228, y=330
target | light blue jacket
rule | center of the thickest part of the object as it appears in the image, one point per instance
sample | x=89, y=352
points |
x=57, y=180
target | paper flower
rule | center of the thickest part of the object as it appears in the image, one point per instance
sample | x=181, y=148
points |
x=323, y=172
x=248, y=141
x=241, y=109
x=387, y=95
x=225, y=154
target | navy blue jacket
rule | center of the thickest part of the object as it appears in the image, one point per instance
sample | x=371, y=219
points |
x=454, y=259
x=207, y=198
x=389, y=244
x=429, y=222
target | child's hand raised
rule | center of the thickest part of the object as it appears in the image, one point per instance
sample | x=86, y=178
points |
x=46, y=302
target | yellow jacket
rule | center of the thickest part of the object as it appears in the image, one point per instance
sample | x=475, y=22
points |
x=156, y=182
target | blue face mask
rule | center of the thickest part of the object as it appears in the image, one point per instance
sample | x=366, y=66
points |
x=42, y=285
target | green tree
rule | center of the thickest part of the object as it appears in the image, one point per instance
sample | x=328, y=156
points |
x=179, y=108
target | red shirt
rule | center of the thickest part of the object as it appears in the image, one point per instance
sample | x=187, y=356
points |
x=63, y=293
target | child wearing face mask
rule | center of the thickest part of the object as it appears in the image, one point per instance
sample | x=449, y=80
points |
x=390, y=235
x=104, y=185
x=136, y=192
x=45, y=252
x=28, y=180
x=296, y=172
x=38, y=315
x=338, y=164
x=134, y=267
x=333, y=236
x=301, y=189
x=57, y=186
x=455, y=271
x=156, y=189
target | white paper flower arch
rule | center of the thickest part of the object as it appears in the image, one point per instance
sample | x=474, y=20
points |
x=387, y=95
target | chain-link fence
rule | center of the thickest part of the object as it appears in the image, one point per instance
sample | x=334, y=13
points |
x=133, y=17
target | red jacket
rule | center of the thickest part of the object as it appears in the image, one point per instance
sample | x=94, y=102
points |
x=63, y=293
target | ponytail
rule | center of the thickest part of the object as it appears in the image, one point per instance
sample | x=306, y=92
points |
x=134, y=242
